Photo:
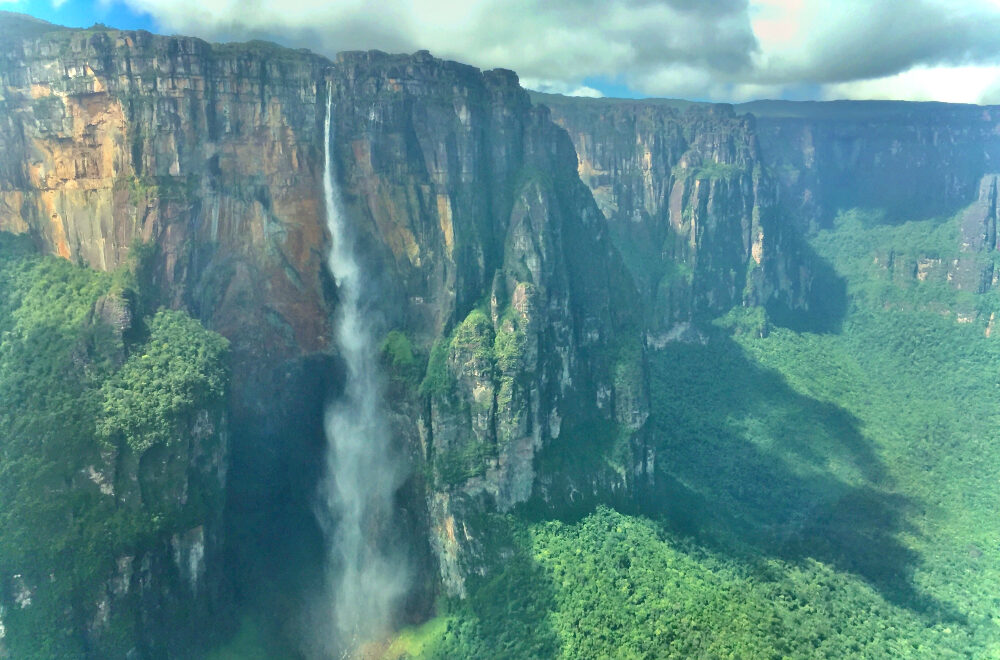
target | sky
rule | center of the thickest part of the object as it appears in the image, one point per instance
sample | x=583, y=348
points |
x=719, y=50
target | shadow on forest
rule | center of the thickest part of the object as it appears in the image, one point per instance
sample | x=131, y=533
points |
x=826, y=299
x=511, y=611
x=743, y=460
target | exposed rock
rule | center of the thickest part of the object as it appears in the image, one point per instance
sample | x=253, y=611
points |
x=688, y=202
x=495, y=261
x=114, y=311
x=493, y=239
x=189, y=556
x=458, y=189
x=210, y=152
x=976, y=270
x=914, y=160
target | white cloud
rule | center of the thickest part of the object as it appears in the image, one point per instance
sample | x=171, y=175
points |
x=565, y=40
x=834, y=41
x=710, y=49
x=963, y=84
x=560, y=87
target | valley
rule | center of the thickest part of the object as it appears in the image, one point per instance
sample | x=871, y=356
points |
x=526, y=375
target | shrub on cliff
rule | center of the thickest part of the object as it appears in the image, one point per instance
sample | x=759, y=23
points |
x=179, y=370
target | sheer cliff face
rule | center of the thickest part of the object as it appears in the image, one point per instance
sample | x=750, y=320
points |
x=688, y=200
x=976, y=269
x=481, y=244
x=491, y=256
x=108, y=137
x=911, y=160
x=708, y=205
x=491, y=230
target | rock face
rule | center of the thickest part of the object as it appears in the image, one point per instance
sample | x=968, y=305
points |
x=709, y=207
x=913, y=160
x=108, y=137
x=689, y=202
x=492, y=231
x=211, y=154
x=485, y=251
x=907, y=161
x=500, y=269
x=975, y=269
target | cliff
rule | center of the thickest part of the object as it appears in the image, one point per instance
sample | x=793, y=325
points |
x=114, y=458
x=522, y=254
x=710, y=203
x=910, y=160
x=691, y=203
x=975, y=269
x=487, y=256
x=208, y=152
x=501, y=276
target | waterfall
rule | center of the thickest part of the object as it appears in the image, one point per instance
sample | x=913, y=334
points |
x=365, y=578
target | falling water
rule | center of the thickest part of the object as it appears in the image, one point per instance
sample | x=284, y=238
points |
x=365, y=579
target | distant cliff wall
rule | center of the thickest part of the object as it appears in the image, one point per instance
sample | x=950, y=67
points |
x=689, y=202
x=910, y=160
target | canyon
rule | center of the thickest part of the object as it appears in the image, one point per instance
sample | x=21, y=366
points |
x=518, y=256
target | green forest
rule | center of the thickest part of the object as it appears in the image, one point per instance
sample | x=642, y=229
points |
x=818, y=494
x=91, y=381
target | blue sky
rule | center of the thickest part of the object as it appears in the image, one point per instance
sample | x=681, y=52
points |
x=84, y=13
x=723, y=50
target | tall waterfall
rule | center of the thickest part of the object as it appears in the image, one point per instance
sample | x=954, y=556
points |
x=365, y=577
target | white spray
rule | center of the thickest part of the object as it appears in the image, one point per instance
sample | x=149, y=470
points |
x=365, y=578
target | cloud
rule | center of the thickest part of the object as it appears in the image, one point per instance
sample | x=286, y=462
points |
x=565, y=40
x=963, y=84
x=560, y=87
x=835, y=41
x=708, y=49
x=991, y=94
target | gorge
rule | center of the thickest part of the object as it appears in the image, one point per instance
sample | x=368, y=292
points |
x=483, y=345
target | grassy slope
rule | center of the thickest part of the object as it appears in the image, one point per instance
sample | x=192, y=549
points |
x=821, y=495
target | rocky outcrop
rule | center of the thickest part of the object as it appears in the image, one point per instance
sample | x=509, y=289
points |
x=499, y=268
x=110, y=137
x=975, y=269
x=979, y=221
x=689, y=203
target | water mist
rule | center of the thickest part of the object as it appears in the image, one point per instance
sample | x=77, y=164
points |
x=365, y=576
